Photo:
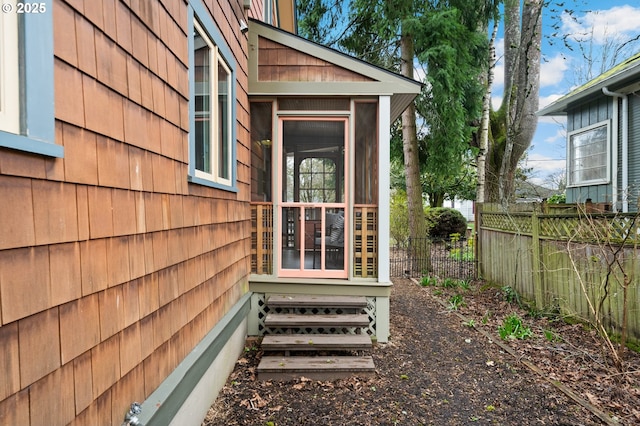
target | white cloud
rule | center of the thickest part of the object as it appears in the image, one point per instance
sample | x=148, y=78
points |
x=602, y=26
x=552, y=71
x=559, y=136
x=542, y=163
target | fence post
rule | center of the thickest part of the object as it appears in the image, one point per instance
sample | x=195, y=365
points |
x=537, y=265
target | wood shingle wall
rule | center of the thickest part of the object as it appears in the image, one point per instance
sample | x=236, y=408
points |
x=112, y=266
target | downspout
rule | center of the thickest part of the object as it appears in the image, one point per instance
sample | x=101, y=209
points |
x=625, y=149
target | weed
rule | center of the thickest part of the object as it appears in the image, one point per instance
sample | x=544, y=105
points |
x=428, y=281
x=404, y=377
x=509, y=294
x=437, y=292
x=490, y=408
x=552, y=336
x=464, y=284
x=471, y=323
x=485, y=317
x=449, y=283
x=455, y=302
x=512, y=328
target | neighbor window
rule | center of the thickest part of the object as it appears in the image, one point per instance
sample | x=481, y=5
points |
x=27, y=120
x=589, y=155
x=212, y=135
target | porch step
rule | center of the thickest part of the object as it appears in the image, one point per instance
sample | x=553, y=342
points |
x=316, y=320
x=316, y=342
x=286, y=301
x=314, y=367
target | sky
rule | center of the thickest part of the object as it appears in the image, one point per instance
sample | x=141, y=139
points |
x=562, y=69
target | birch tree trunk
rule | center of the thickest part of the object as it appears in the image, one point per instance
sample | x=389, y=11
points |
x=483, y=144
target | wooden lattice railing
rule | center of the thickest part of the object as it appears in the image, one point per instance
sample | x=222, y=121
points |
x=365, y=241
x=262, y=238
x=584, y=228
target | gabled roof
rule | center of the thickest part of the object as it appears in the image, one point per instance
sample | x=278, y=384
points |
x=624, y=78
x=367, y=79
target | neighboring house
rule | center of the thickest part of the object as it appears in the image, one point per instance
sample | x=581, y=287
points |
x=129, y=267
x=603, y=143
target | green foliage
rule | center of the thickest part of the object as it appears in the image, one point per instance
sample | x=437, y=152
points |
x=510, y=294
x=399, y=221
x=428, y=281
x=456, y=301
x=557, y=199
x=449, y=283
x=471, y=323
x=552, y=336
x=512, y=328
x=444, y=221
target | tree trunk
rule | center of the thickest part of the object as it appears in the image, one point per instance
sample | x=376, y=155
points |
x=481, y=192
x=520, y=102
x=410, y=149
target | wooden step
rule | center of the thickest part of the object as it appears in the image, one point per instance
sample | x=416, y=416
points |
x=314, y=367
x=317, y=320
x=316, y=342
x=316, y=301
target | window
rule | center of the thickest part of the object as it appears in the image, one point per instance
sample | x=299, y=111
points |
x=589, y=155
x=212, y=151
x=9, y=80
x=27, y=121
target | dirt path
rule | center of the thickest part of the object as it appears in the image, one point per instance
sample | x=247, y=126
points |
x=434, y=371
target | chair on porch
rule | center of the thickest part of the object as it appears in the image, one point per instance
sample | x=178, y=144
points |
x=334, y=235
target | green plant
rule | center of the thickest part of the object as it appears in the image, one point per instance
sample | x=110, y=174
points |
x=557, y=199
x=510, y=294
x=449, y=283
x=464, y=284
x=485, y=317
x=552, y=336
x=471, y=323
x=512, y=328
x=455, y=302
x=399, y=218
x=444, y=221
x=428, y=281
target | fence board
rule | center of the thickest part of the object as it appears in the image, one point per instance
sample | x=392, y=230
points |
x=535, y=254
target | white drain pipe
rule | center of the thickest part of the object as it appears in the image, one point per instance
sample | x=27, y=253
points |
x=625, y=149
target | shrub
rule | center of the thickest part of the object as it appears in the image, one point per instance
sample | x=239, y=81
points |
x=444, y=221
x=399, y=226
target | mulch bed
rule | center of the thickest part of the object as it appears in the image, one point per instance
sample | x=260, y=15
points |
x=438, y=370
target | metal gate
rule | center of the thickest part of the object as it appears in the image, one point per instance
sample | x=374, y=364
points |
x=420, y=257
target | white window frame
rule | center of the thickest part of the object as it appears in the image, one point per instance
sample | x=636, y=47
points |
x=32, y=41
x=220, y=55
x=571, y=137
x=9, y=74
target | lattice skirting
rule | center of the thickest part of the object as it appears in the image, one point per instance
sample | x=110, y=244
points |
x=263, y=310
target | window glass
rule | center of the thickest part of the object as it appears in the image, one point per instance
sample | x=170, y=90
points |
x=261, y=150
x=588, y=155
x=202, y=59
x=224, y=88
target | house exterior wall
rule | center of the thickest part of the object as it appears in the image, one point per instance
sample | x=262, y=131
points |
x=634, y=152
x=583, y=116
x=597, y=111
x=113, y=267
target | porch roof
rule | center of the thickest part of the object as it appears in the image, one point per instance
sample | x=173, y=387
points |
x=356, y=77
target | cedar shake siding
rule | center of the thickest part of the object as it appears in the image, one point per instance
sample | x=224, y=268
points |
x=113, y=265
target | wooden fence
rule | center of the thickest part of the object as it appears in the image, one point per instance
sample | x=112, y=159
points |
x=572, y=262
